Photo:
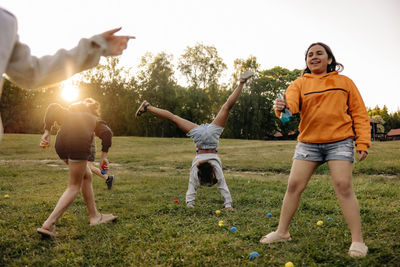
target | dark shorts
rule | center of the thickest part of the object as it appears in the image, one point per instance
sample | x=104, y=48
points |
x=73, y=156
x=340, y=150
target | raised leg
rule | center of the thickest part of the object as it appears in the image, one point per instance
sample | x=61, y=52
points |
x=183, y=124
x=223, y=113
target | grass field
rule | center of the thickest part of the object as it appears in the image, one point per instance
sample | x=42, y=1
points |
x=152, y=230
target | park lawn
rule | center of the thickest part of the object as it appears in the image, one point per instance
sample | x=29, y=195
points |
x=152, y=230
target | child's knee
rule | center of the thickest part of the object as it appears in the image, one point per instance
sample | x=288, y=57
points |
x=295, y=188
x=74, y=189
x=344, y=188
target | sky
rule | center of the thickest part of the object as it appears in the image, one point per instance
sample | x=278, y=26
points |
x=364, y=35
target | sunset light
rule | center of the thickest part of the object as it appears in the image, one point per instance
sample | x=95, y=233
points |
x=69, y=92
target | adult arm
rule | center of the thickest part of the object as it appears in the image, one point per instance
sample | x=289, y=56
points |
x=29, y=71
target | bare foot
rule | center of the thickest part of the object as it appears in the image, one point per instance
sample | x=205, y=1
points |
x=102, y=218
x=47, y=231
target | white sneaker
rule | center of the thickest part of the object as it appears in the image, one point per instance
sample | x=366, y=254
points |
x=246, y=75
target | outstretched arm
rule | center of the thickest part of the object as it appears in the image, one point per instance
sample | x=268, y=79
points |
x=223, y=113
x=29, y=71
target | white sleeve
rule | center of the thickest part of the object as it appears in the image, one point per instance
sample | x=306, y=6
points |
x=223, y=188
x=192, y=188
x=29, y=71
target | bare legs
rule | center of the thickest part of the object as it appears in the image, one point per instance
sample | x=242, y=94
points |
x=300, y=174
x=183, y=124
x=96, y=170
x=88, y=195
x=77, y=171
x=79, y=176
x=223, y=113
x=186, y=125
x=341, y=172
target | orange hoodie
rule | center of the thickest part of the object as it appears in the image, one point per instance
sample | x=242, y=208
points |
x=331, y=109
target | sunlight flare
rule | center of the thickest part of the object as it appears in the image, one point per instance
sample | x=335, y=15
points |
x=69, y=92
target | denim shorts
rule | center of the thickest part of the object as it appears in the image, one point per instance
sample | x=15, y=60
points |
x=340, y=150
x=206, y=136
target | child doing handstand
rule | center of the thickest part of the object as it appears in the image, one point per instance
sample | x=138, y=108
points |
x=206, y=167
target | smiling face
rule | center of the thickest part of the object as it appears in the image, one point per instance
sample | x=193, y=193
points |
x=317, y=59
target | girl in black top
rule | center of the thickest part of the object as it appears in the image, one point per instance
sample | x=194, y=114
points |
x=79, y=123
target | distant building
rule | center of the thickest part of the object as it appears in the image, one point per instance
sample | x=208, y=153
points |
x=373, y=125
x=375, y=136
x=393, y=134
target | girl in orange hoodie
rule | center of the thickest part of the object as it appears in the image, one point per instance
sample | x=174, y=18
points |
x=333, y=117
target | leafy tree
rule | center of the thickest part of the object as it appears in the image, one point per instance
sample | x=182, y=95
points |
x=156, y=83
x=22, y=110
x=201, y=66
x=390, y=121
x=114, y=88
x=241, y=65
x=253, y=116
x=393, y=122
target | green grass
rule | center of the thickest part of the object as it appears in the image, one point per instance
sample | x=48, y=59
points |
x=152, y=230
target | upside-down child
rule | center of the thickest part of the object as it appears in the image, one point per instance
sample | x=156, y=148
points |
x=206, y=167
x=78, y=124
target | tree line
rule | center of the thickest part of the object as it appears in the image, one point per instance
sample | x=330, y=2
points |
x=120, y=93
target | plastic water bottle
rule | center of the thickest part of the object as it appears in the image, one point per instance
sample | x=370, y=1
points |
x=286, y=115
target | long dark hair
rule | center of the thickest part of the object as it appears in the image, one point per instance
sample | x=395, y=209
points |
x=331, y=67
x=206, y=174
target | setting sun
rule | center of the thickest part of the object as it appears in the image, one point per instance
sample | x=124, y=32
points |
x=70, y=92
